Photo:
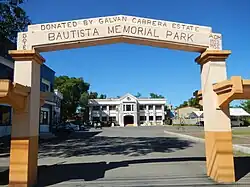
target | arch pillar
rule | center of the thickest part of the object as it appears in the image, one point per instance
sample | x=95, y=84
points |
x=25, y=123
x=217, y=123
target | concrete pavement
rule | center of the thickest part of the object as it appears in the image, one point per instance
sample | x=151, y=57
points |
x=131, y=156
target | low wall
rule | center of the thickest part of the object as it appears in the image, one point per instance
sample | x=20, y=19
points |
x=186, y=121
x=152, y=123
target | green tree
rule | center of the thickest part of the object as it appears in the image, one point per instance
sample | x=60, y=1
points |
x=192, y=102
x=93, y=95
x=138, y=95
x=154, y=95
x=184, y=104
x=83, y=104
x=102, y=96
x=13, y=19
x=245, y=105
x=74, y=90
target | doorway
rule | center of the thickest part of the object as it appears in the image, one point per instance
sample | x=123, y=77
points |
x=128, y=120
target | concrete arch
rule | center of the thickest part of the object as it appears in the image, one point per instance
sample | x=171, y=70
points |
x=113, y=29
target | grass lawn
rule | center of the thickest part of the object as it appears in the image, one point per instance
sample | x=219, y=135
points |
x=241, y=132
x=201, y=135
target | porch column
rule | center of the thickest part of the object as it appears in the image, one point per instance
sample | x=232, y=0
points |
x=100, y=113
x=163, y=114
x=90, y=113
x=217, y=123
x=25, y=124
x=135, y=114
x=108, y=113
x=147, y=114
x=154, y=114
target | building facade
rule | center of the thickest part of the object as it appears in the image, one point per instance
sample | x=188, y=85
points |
x=128, y=110
x=182, y=115
x=49, y=112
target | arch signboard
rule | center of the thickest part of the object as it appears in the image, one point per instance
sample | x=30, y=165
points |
x=121, y=28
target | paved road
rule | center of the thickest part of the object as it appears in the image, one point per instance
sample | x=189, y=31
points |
x=143, y=156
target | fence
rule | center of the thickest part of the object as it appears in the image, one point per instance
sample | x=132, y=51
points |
x=187, y=121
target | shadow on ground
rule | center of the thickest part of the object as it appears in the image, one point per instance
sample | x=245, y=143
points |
x=54, y=174
x=87, y=144
x=242, y=167
x=102, y=145
x=43, y=142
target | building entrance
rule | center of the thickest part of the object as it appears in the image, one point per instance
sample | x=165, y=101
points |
x=128, y=120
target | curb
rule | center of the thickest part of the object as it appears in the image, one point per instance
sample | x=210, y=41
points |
x=236, y=147
x=185, y=136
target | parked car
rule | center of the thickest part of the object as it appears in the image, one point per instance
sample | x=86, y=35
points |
x=63, y=130
x=97, y=125
x=84, y=127
x=236, y=121
x=74, y=124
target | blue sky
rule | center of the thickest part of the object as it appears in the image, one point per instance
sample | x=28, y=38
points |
x=120, y=68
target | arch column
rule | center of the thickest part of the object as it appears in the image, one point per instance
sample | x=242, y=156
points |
x=25, y=123
x=217, y=123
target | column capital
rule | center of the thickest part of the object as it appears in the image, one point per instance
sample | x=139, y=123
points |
x=212, y=55
x=26, y=55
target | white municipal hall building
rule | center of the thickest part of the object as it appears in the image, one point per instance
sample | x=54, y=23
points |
x=128, y=110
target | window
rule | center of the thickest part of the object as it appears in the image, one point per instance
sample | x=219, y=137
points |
x=158, y=118
x=5, y=115
x=46, y=85
x=44, y=117
x=158, y=107
x=142, y=107
x=96, y=118
x=128, y=107
x=96, y=107
x=104, y=107
x=150, y=107
x=233, y=118
x=104, y=118
x=151, y=118
x=142, y=118
x=112, y=107
x=112, y=119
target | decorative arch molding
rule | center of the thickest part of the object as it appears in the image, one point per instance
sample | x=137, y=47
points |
x=118, y=29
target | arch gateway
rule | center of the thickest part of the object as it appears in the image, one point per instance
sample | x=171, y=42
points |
x=25, y=97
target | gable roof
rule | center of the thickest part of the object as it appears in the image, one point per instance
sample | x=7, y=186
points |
x=128, y=95
x=233, y=112
x=238, y=112
x=198, y=113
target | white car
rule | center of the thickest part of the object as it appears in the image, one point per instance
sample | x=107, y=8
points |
x=236, y=122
